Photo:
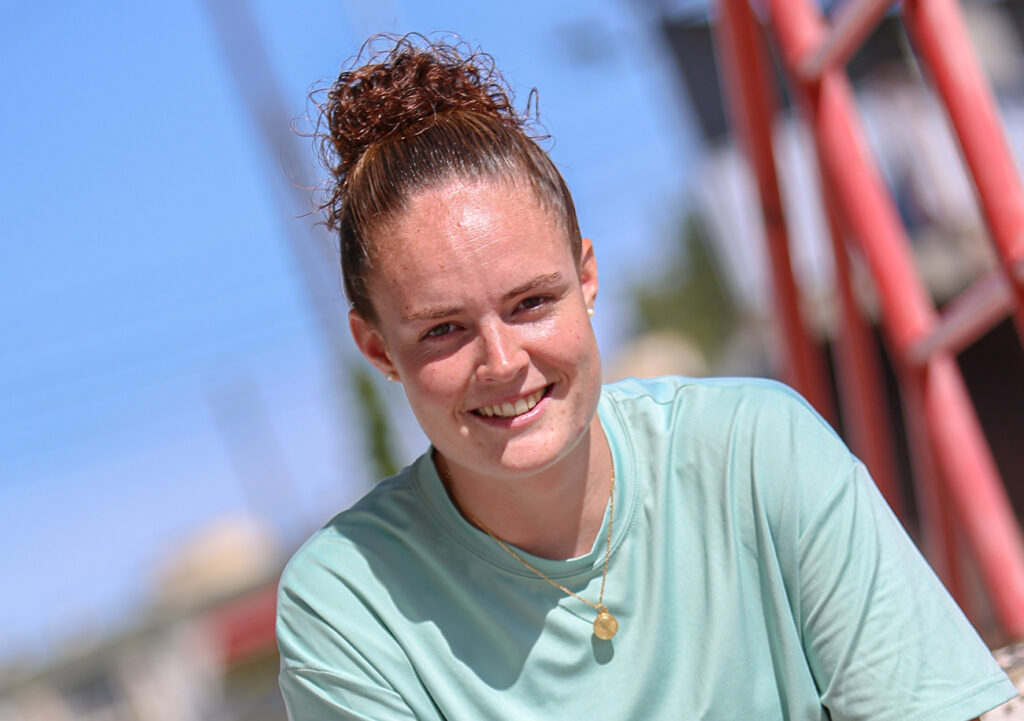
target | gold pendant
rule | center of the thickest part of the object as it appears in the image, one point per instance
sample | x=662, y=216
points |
x=605, y=625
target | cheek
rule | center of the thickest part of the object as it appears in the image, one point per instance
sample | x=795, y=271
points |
x=436, y=381
x=560, y=328
x=578, y=348
x=570, y=340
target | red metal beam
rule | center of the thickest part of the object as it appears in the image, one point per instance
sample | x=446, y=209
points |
x=744, y=64
x=937, y=538
x=976, y=497
x=938, y=31
x=853, y=23
x=968, y=316
x=865, y=417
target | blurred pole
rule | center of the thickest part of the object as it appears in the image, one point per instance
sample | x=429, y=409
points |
x=259, y=91
x=744, y=69
x=859, y=376
x=936, y=534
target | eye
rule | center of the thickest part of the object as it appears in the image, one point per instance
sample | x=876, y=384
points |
x=534, y=301
x=440, y=331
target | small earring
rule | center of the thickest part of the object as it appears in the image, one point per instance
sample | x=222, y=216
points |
x=390, y=377
x=590, y=312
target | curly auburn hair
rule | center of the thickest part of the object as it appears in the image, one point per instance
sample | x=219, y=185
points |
x=410, y=118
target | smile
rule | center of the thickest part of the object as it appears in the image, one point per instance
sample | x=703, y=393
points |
x=511, y=410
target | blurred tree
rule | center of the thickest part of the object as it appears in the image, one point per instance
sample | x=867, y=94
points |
x=373, y=417
x=687, y=296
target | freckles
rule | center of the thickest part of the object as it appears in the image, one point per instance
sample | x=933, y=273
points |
x=440, y=376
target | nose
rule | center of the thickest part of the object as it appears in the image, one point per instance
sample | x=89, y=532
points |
x=503, y=355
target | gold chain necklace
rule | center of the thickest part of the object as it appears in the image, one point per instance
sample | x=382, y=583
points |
x=605, y=625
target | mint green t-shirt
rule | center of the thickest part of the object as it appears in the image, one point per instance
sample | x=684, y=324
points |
x=755, y=572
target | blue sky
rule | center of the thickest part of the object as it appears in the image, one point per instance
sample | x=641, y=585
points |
x=148, y=282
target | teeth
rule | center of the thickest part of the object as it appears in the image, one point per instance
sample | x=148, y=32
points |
x=511, y=410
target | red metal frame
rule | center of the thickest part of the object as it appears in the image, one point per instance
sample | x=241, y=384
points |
x=938, y=31
x=967, y=317
x=851, y=27
x=860, y=378
x=959, y=490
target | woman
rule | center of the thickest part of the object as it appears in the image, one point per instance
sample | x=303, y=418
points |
x=659, y=549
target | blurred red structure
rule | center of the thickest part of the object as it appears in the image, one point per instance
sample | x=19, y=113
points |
x=960, y=494
x=243, y=627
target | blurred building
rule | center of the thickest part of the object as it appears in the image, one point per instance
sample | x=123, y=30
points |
x=205, y=651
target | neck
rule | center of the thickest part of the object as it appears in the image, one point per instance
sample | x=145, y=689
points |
x=555, y=513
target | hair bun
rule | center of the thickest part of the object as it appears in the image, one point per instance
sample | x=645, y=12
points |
x=400, y=90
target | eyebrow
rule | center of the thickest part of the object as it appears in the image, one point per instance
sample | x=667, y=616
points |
x=443, y=311
x=434, y=312
x=546, y=279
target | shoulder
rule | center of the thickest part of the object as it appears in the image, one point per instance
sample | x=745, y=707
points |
x=330, y=591
x=715, y=407
x=671, y=390
x=345, y=536
x=747, y=439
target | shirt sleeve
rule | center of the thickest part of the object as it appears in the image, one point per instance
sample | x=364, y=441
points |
x=882, y=637
x=316, y=695
x=338, y=661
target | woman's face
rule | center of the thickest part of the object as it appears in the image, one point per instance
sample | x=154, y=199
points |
x=482, y=316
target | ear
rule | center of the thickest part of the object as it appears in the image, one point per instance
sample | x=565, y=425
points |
x=371, y=343
x=588, y=272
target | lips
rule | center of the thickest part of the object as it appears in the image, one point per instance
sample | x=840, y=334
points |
x=512, y=409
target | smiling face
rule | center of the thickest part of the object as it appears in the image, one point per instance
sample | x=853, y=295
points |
x=482, y=315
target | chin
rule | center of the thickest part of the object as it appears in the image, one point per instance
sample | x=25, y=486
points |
x=537, y=455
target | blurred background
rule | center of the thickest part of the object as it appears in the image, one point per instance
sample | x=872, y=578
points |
x=180, y=406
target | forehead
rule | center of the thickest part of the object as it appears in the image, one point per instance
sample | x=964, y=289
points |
x=460, y=211
x=467, y=235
